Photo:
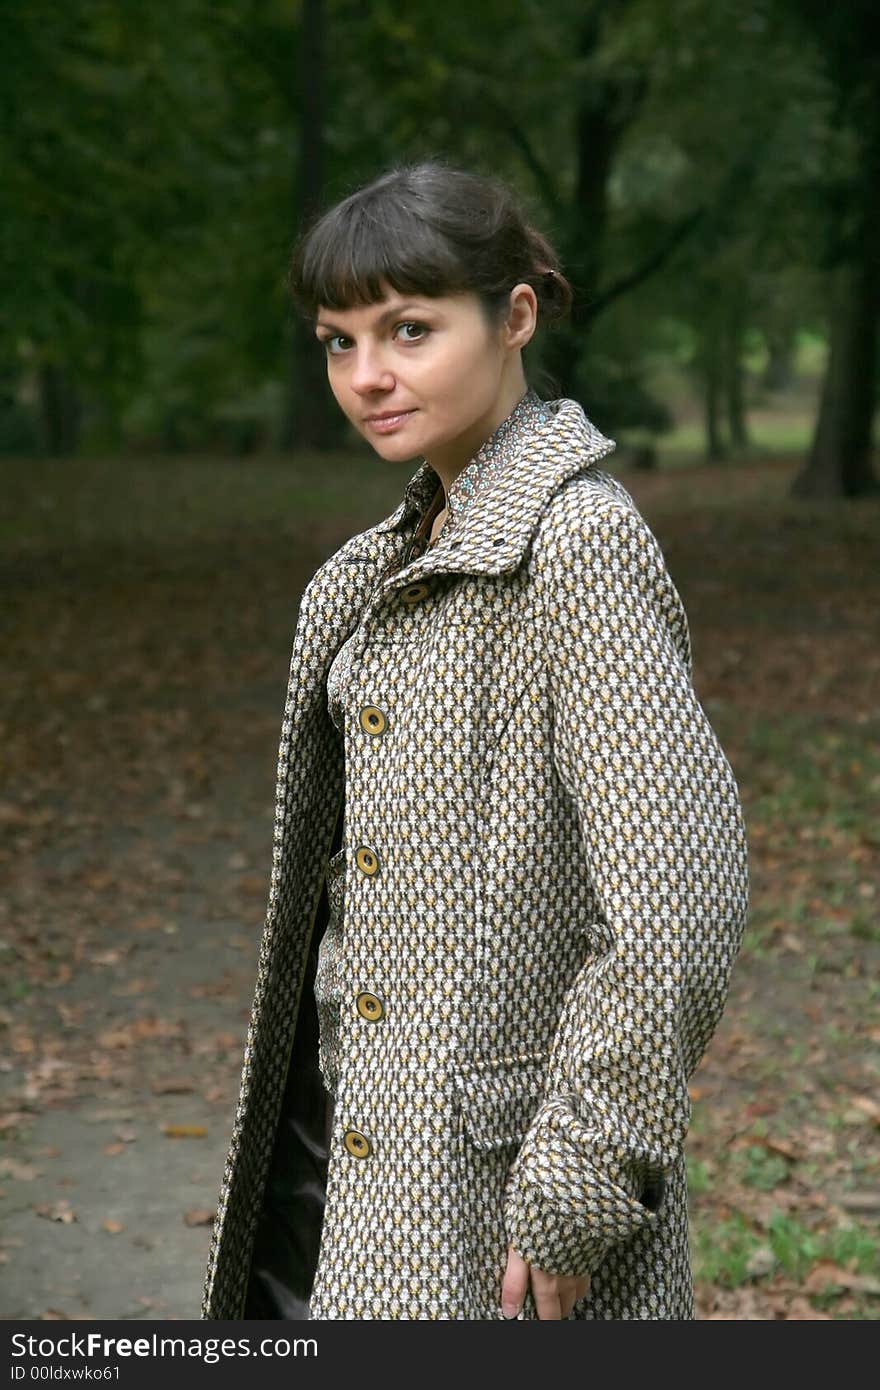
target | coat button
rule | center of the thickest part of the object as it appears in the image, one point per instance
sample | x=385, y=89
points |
x=413, y=592
x=367, y=860
x=370, y=1006
x=372, y=720
x=356, y=1143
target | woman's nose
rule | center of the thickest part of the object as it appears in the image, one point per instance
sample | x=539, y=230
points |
x=369, y=372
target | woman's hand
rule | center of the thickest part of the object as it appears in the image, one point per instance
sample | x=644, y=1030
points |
x=555, y=1294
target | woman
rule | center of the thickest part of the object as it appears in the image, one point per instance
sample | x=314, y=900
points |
x=509, y=876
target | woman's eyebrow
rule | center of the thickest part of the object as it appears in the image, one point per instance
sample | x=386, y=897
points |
x=383, y=317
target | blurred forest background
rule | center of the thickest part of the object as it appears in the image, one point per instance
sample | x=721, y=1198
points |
x=174, y=468
x=710, y=174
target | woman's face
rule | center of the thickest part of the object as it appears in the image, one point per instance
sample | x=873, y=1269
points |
x=433, y=364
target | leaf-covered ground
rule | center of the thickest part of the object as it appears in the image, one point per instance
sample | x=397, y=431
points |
x=149, y=613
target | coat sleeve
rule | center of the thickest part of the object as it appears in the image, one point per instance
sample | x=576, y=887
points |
x=663, y=838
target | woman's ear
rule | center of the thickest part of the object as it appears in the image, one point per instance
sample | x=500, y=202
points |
x=522, y=318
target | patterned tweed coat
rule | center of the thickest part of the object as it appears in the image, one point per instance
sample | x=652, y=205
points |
x=546, y=889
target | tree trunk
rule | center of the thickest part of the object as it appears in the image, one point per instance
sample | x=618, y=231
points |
x=605, y=108
x=710, y=366
x=716, y=449
x=778, y=374
x=734, y=375
x=839, y=463
x=312, y=418
x=60, y=410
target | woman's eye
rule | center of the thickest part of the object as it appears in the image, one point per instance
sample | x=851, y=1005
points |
x=420, y=331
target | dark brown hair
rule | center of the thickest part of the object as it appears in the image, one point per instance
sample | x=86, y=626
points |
x=428, y=229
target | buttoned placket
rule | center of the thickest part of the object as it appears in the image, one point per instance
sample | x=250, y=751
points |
x=491, y=455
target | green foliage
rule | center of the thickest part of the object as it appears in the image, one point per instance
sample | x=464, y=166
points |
x=726, y=1254
x=721, y=1255
x=764, y=1170
x=796, y=1247
x=699, y=1175
x=154, y=166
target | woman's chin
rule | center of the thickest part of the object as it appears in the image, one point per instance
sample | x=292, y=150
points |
x=395, y=449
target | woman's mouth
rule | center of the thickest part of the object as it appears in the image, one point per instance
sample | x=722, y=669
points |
x=384, y=424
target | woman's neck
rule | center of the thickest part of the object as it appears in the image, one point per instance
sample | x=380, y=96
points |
x=454, y=457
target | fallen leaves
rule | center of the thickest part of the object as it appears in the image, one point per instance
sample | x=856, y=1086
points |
x=776, y=1146
x=136, y=985
x=761, y=1262
x=868, y=1202
x=131, y=1034
x=56, y=1211
x=172, y=1085
x=227, y=984
x=150, y=921
x=22, y=1172
x=13, y=1119
x=199, y=1216
x=865, y=1109
x=252, y=885
x=825, y=1274
x=110, y=957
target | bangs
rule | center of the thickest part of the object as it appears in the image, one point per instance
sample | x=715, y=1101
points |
x=359, y=248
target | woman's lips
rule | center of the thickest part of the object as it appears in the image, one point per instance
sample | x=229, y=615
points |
x=386, y=423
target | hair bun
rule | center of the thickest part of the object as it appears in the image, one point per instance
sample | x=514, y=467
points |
x=554, y=297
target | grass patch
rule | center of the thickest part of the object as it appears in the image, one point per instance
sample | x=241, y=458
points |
x=780, y=435
x=728, y=1253
x=63, y=504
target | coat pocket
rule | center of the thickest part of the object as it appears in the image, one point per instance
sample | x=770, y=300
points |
x=499, y=1099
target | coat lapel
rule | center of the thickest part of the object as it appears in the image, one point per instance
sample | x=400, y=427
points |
x=491, y=535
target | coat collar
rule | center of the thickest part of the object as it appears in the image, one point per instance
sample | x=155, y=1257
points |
x=491, y=533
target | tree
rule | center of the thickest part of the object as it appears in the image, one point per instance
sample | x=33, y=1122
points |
x=848, y=41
